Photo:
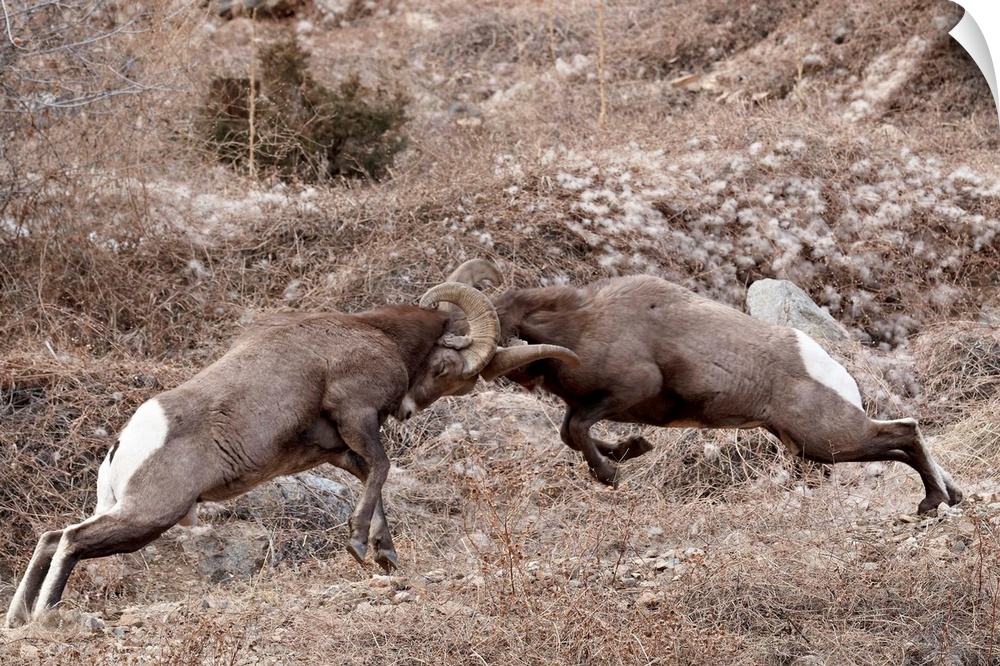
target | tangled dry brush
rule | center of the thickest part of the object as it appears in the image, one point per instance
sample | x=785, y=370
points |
x=845, y=145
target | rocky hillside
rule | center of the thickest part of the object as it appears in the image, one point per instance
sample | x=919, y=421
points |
x=848, y=147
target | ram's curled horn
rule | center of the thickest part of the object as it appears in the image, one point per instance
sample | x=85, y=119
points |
x=507, y=359
x=484, y=327
x=474, y=271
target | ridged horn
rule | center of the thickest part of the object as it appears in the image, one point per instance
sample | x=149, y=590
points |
x=484, y=326
x=474, y=271
x=507, y=359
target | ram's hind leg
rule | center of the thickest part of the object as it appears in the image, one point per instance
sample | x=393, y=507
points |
x=932, y=482
x=908, y=446
x=23, y=603
x=899, y=441
x=105, y=534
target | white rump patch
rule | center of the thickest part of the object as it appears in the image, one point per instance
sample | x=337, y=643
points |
x=145, y=432
x=105, y=495
x=827, y=371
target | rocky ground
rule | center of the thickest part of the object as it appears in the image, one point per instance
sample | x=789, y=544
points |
x=848, y=147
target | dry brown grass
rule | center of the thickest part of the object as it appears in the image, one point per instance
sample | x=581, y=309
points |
x=128, y=261
x=960, y=367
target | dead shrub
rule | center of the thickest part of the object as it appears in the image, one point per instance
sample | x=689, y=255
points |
x=974, y=438
x=303, y=130
x=59, y=417
x=959, y=368
x=485, y=39
x=691, y=464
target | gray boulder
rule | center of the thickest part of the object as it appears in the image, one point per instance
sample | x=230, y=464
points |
x=228, y=552
x=291, y=516
x=781, y=302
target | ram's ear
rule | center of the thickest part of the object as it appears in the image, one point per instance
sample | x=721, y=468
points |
x=484, y=327
x=447, y=362
x=453, y=341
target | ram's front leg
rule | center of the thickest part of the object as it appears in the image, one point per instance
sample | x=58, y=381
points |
x=621, y=451
x=360, y=432
x=640, y=384
x=380, y=537
x=324, y=433
x=575, y=432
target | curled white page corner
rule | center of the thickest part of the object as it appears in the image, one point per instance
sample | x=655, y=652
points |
x=979, y=33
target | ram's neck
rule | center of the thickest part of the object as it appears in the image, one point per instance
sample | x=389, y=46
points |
x=413, y=330
x=540, y=316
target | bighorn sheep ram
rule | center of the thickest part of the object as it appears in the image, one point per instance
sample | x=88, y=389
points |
x=295, y=390
x=655, y=353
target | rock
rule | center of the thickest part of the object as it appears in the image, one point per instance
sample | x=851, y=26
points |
x=93, y=623
x=312, y=501
x=781, y=302
x=663, y=563
x=217, y=604
x=944, y=510
x=403, y=596
x=372, y=609
x=435, y=576
x=649, y=599
x=69, y=622
x=231, y=551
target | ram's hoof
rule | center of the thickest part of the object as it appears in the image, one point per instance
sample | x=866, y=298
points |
x=15, y=621
x=17, y=615
x=387, y=560
x=954, y=496
x=931, y=503
x=358, y=549
x=608, y=475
